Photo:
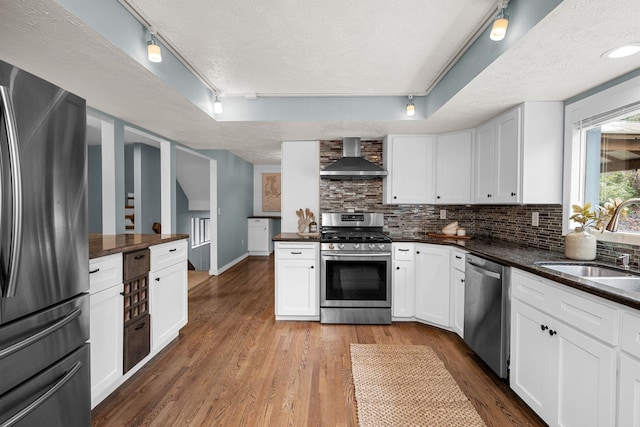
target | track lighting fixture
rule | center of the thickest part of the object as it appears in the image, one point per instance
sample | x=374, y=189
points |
x=217, y=106
x=500, y=24
x=153, y=48
x=411, y=109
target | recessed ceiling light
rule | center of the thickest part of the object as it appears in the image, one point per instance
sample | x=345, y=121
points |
x=622, y=51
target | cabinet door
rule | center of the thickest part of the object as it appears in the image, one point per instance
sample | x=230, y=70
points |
x=169, y=289
x=297, y=288
x=432, y=284
x=530, y=356
x=402, y=298
x=453, y=168
x=507, y=154
x=106, y=332
x=583, y=374
x=258, y=236
x=483, y=186
x=409, y=161
x=457, y=302
x=629, y=405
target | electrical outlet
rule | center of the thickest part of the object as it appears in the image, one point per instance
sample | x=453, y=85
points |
x=443, y=214
x=535, y=219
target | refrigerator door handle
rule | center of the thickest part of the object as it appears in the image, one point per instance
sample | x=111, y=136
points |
x=16, y=189
x=40, y=335
x=39, y=401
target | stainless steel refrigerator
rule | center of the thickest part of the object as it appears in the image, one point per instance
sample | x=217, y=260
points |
x=44, y=277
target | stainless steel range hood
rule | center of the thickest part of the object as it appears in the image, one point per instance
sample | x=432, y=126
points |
x=352, y=165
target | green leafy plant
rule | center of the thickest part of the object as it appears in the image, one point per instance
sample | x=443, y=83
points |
x=597, y=218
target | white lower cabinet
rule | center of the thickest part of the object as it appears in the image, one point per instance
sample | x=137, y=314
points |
x=629, y=391
x=403, y=281
x=259, y=236
x=168, y=306
x=297, y=278
x=432, y=284
x=566, y=375
x=168, y=292
x=457, y=291
x=106, y=324
x=106, y=332
x=629, y=378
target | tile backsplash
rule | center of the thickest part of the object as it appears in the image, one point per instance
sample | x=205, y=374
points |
x=510, y=223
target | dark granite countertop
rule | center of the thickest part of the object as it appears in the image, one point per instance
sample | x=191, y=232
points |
x=108, y=244
x=521, y=257
x=264, y=217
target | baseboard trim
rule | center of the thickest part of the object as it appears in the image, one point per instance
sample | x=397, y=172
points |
x=224, y=268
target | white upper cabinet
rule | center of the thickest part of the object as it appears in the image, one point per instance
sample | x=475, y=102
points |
x=409, y=162
x=300, y=181
x=453, y=167
x=518, y=156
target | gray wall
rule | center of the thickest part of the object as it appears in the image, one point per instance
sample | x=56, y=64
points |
x=94, y=187
x=148, y=196
x=128, y=171
x=235, y=202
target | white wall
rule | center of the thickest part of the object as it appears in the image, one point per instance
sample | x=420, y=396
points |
x=258, y=170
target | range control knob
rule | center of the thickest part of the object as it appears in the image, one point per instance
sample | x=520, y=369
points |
x=372, y=246
x=331, y=246
x=381, y=246
x=340, y=245
x=356, y=246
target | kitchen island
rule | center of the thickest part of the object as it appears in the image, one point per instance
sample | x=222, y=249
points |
x=138, y=297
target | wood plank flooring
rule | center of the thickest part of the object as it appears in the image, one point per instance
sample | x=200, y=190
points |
x=234, y=365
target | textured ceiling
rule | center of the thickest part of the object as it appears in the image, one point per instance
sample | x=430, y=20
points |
x=326, y=48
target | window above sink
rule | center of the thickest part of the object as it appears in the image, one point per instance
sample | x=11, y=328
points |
x=602, y=155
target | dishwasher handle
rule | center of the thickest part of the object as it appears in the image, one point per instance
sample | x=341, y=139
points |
x=484, y=271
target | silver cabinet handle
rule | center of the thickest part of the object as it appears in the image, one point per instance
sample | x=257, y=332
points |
x=403, y=250
x=16, y=189
x=296, y=253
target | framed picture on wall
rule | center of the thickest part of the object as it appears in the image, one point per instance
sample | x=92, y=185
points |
x=271, y=192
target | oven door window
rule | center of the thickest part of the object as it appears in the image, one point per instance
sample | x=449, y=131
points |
x=356, y=280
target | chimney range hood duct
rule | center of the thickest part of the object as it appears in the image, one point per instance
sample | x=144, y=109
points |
x=352, y=165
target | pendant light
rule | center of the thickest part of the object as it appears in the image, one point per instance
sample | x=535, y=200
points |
x=411, y=109
x=500, y=24
x=217, y=106
x=153, y=48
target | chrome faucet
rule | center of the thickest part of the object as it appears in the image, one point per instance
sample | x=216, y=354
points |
x=613, y=224
x=624, y=259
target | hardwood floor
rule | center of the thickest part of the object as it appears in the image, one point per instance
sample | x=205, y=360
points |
x=234, y=365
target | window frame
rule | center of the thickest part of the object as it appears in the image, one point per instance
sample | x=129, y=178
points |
x=200, y=231
x=582, y=111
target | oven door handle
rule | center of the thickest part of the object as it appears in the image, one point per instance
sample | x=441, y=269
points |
x=376, y=255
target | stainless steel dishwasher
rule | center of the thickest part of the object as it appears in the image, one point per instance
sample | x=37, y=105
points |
x=486, y=312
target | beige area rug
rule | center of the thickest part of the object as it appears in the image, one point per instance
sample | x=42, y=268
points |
x=407, y=385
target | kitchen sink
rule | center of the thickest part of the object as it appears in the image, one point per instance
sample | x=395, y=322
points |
x=599, y=273
x=631, y=284
x=586, y=270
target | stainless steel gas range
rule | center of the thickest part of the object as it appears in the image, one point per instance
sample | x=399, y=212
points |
x=355, y=275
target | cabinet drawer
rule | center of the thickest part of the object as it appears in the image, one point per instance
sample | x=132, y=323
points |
x=584, y=313
x=105, y=272
x=457, y=260
x=630, y=336
x=258, y=222
x=137, y=342
x=168, y=254
x=403, y=251
x=531, y=289
x=136, y=264
x=296, y=253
